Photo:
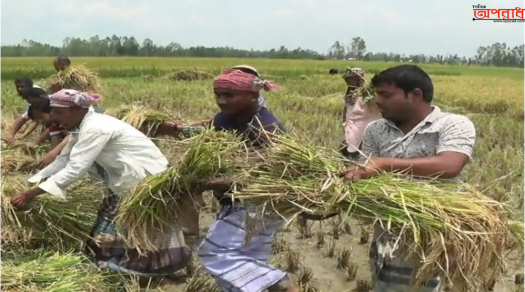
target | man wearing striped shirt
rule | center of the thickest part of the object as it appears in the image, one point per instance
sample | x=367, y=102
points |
x=415, y=137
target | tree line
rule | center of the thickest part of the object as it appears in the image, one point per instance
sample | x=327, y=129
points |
x=498, y=54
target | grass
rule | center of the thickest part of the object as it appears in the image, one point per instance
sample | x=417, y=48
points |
x=310, y=101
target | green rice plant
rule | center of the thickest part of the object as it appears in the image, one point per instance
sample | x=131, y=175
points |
x=154, y=203
x=51, y=272
x=443, y=224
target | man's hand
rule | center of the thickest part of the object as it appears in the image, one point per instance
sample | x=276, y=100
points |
x=9, y=139
x=370, y=169
x=46, y=159
x=23, y=198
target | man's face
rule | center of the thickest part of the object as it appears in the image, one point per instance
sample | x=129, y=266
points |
x=69, y=118
x=393, y=103
x=21, y=87
x=233, y=101
x=59, y=65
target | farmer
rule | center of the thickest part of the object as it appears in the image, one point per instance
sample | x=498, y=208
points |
x=235, y=266
x=356, y=114
x=173, y=129
x=41, y=112
x=123, y=157
x=191, y=219
x=30, y=93
x=61, y=63
x=413, y=136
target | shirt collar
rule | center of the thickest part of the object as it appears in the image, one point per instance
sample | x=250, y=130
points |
x=86, y=117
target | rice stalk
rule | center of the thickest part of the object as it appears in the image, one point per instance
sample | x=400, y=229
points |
x=45, y=221
x=51, y=272
x=78, y=78
x=444, y=225
x=141, y=117
x=14, y=159
x=153, y=204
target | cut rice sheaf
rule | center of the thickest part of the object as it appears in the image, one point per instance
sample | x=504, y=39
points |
x=453, y=229
x=47, y=221
x=76, y=77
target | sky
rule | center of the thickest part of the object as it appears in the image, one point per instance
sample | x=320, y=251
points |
x=401, y=26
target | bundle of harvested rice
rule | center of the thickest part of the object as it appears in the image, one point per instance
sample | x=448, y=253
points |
x=16, y=160
x=455, y=230
x=154, y=203
x=140, y=117
x=51, y=272
x=46, y=220
x=189, y=75
x=79, y=78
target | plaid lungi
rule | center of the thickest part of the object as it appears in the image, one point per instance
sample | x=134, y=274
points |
x=394, y=273
x=110, y=252
x=237, y=267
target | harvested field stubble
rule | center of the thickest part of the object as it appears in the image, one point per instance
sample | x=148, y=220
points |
x=491, y=97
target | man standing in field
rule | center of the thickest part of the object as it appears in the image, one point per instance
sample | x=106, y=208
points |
x=356, y=114
x=415, y=137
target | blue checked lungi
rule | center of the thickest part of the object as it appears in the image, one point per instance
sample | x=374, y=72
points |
x=234, y=266
x=109, y=250
x=394, y=274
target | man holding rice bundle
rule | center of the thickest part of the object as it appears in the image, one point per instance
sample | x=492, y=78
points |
x=356, y=114
x=413, y=137
x=223, y=253
x=122, y=156
x=190, y=220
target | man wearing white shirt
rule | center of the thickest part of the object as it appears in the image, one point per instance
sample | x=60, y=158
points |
x=123, y=156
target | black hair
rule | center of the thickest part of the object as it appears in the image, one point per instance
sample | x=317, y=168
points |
x=63, y=59
x=24, y=80
x=407, y=78
x=35, y=92
x=43, y=106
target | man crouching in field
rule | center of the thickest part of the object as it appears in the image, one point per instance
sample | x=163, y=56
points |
x=412, y=136
x=191, y=219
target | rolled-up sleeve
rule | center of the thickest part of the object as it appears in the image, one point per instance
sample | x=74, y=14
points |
x=83, y=155
x=369, y=146
x=458, y=135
